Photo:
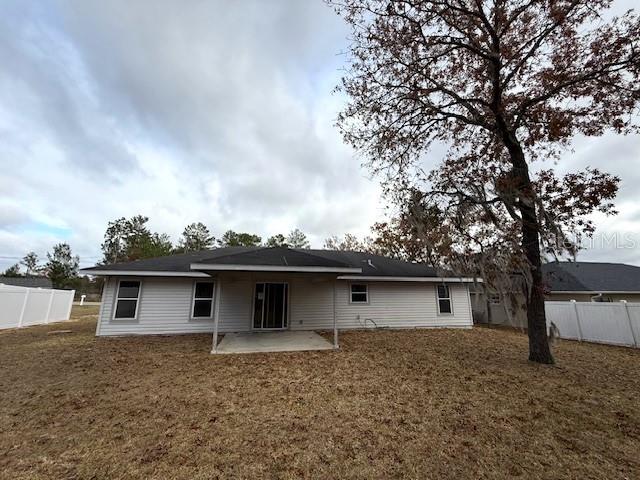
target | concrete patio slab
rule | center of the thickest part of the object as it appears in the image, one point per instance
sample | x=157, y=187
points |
x=259, y=342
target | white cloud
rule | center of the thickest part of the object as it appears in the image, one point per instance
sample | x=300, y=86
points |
x=220, y=112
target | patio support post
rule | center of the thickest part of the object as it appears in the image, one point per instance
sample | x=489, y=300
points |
x=335, y=324
x=216, y=316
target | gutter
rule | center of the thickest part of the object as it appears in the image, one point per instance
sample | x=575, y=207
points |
x=142, y=273
x=409, y=279
x=595, y=292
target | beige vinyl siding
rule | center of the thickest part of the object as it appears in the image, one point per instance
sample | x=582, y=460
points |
x=165, y=306
x=311, y=304
x=106, y=304
x=401, y=305
x=391, y=305
x=235, y=307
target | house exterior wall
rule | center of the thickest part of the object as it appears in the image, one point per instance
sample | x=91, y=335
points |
x=165, y=305
x=311, y=304
x=402, y=305
x=581, y=297
x=164, y=308
x=485, y=312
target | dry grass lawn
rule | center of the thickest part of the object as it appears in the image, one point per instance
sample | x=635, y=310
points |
x=410, y=404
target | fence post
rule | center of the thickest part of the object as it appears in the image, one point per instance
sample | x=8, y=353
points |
x=46, y=318
x=73, y=294
x=575, y=310
x=633, y=334
x=24, y=307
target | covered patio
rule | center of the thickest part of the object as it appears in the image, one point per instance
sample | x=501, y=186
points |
x=262, y=342
x=270, y=270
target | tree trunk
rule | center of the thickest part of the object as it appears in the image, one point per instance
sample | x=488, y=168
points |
x=539, y=350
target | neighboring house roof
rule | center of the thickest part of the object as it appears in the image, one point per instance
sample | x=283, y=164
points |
x=34, y=282
x=353, y=264
x=591, y=277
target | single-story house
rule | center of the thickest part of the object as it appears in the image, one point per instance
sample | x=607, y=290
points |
x=255, y=289
x=31, y=282
x=592, y=281
x=579, y=281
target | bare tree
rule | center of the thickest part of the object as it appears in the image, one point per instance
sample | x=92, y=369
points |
x=415, y=234
x=502, y=84
x=349, y=242
x=30, y=262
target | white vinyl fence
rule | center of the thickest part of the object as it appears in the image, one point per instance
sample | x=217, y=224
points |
x=22, y=306
x=616, y=323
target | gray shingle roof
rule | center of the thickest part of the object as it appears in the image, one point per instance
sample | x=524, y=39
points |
x=276, y=257
x=591, y=277
x=377, y=265
x=171, y=263
x=33, y=282
x=371, y=265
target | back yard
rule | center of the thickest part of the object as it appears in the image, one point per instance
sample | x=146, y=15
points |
x=416, y=404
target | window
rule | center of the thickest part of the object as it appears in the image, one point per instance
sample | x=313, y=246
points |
x=444, y=299
x=127, y=299
x=202, y=300
x=494, y=299
x=359, y=293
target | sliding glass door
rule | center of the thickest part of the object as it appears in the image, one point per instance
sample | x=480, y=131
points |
x=270, y=306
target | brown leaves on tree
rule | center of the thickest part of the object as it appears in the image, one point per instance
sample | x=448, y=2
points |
x=501, y=84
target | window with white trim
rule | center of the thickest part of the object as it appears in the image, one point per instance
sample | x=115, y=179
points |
x=127, y=299
x=359, y=293
x=202, y=300
x=444, y=299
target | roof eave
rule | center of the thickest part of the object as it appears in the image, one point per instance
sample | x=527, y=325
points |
x=596, y=292
x=388, y=278
x=141, y=273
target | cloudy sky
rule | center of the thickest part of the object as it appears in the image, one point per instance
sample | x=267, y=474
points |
x=212, y=111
